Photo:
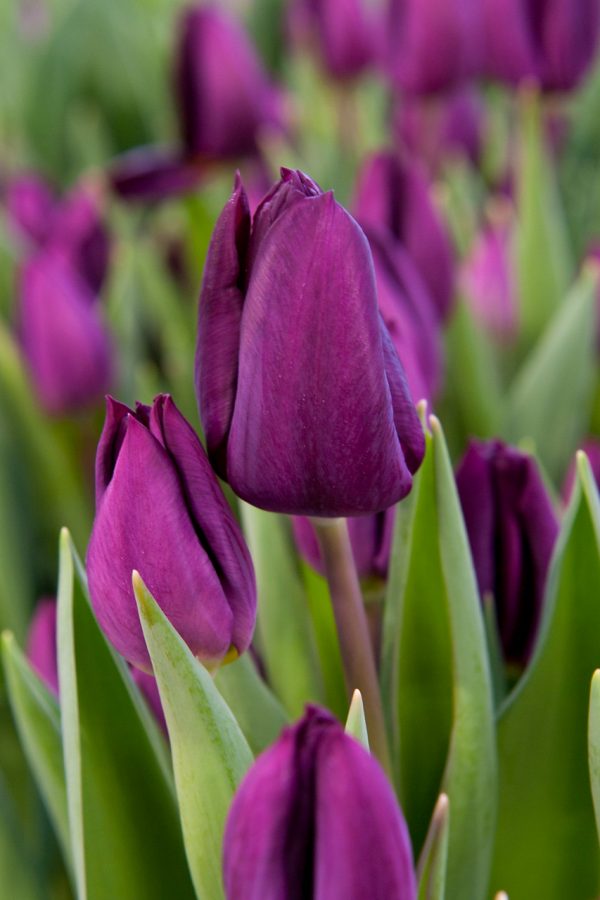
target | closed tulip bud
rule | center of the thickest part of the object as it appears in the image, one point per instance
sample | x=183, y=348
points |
x=316, y=817
x=552, y=42
x=303, y=399
x=224, y=96
x=346, y=32
x=30, y=205
x=396, y=196
x=65, y=344
x=160, y=510
x=434, y=45
x=41, y=643
x=512, y=528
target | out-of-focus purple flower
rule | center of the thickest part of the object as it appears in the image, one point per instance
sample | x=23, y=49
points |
x=396, y=196
x=150, y=174
x=316, y=817
x=591, y=447
x=71, y=226
x=64, y=341
x=550, y=41
x=435, y=129
x=41, y=643
x=347, y=33
x=512, y=528
x=489, y=280
x=303, y=399
x=160, y=510
x=370, y=536
x=434, y=45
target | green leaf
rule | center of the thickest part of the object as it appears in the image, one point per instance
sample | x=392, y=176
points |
x=284, y=630
x=17, y=871
x=124, y=827
x=545, y=798
x=594, y=744
x=37, y=716
x=556, y=382
x=544, y=264
x=436, y=675
x=258, y=712
x=433, y=861
x=356, y=724
x=210, y=753
x=326, y=638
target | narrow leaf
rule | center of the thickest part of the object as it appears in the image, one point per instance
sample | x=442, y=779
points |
x=356, y=724
x=431, y=869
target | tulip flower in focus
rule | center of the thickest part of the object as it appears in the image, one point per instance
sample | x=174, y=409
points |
x=316, y=817
x=433, y=45
x=512, y=528
x=72, y=227
x=41, y=643
x=396, y=196
x=160, y=510
x=346, y=31
x=304, y=402
x=552, y=42
x=64, y=341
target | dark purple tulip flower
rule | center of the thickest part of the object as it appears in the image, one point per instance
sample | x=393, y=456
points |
x=512, y=528
x=370, y=536
x=434, y=45
x=396, y=196
x=551, y=41
x=64, y=341
x=160, y=510
x=315, y=817
x=41, y=643
x=304, y=402
x=347, y=33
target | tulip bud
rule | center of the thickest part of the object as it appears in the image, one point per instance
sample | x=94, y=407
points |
x=160, y=510
x=304, y=402
x=370, y=536
x=434, y=44
x=553, y=42
x=512, y=528
x=396, y=196
x=41, y=643
x=64, y=342
x=223, y=93
x=316, y=817
x=30, y=206
x=345, y=30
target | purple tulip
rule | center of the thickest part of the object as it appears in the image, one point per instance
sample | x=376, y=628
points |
x=41, y=643
x=370, y=536
x=489, y=280
x=434, y=45
x=346, y=31
x=512, y=528
x=30, y=205
x=396, y=196
x=224, y=96
x=316, y=817
x=551, y=41
x=148, y=174
x=65, y=344
x=303, y=399
x=591, y=447
x=160, y=510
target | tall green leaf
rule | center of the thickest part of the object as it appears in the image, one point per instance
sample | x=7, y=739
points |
x=210, y=753
x=546, y=841
x=258, y=712
x=433, y=861
x=124, y=828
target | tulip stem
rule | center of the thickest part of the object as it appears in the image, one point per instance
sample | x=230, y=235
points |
x=353, y=629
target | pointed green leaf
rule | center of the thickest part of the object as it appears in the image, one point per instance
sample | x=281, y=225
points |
x=594, y=745
x=433, y=861
x=210, y=753
x=545, y=797
x=124, y=828
x=326, y=639
x=356, y=724
x=284, y=629
x=436, y=674
x=17, y=871
x=556, y=381
x=37, y=717
x=258, y=712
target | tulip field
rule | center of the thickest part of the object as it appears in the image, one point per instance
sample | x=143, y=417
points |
x=299, y=450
